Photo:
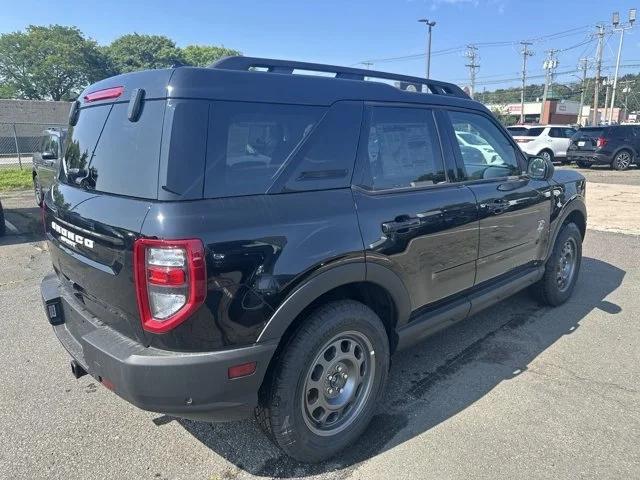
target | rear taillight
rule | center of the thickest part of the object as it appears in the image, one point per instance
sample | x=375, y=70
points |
x=601, y=142
x=171, y=281
x=105, y=94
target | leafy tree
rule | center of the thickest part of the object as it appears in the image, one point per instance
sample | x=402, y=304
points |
x=49, y=62
x=7, y=91
x=204, y=55
x=142, y=52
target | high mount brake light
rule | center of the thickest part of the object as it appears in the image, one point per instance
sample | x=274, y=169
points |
x=105, y=94
x=170, y=279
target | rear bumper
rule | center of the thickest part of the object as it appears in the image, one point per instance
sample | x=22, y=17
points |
x=181, y=384
x=591, y=158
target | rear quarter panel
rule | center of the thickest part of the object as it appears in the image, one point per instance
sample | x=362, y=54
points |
x=258, y=249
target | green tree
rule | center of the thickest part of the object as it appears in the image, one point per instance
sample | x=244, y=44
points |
x=204, y=55
x=49, y=62
x=7, y=91
x=142, y=52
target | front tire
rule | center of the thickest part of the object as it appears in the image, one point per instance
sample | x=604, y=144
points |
x=37, y=190
x=622, y=160
x=327, y=381
x=562, y=268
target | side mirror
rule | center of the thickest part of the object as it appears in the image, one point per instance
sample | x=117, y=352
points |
x=540, y=169
x=49, y=156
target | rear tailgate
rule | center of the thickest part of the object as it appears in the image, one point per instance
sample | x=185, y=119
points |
x=585, y=139
x=107, y=182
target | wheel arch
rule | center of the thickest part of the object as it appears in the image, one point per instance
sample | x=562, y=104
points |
x=574, y=212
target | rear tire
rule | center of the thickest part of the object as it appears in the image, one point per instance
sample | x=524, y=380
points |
x=562, y=268
x=327, y=381
x=547, y=155
x=622, y=160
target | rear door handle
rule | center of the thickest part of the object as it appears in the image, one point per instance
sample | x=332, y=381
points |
x=496, y=207
x=400, y=224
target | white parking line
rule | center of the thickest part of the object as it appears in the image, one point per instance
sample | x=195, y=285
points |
x=12, y=228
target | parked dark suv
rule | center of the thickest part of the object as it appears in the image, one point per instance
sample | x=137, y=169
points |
x=616, y=145
x=245, y=238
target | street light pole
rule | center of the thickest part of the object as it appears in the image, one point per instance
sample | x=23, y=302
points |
x=430, y=25
x=621, y=29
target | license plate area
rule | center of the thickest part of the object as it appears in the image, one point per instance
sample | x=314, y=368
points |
x=581, y=143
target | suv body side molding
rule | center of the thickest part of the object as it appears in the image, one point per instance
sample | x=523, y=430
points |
x=462, y=307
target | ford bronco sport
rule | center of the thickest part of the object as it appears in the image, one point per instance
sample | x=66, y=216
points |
x=250, y=237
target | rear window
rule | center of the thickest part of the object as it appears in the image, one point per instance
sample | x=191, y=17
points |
x=590, y=132
x=533, y=132
x=249, y=142
x=517, y=130
x=108, y=153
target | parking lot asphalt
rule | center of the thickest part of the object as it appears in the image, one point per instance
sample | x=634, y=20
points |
x=517, y=391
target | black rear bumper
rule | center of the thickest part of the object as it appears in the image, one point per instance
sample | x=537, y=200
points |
x=181, y=384
x=588, y=157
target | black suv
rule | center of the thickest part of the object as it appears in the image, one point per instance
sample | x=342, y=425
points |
x=616, y=145
x=246, y=238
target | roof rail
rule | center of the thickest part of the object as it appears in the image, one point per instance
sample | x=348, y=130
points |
x=287, y=66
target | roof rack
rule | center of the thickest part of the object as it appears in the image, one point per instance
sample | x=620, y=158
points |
x=287, y=66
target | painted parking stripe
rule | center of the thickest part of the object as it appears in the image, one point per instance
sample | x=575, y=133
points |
x=12, y=228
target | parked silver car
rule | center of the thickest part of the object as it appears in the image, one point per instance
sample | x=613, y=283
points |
x=46, y=161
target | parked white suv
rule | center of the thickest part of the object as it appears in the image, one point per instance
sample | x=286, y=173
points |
x=547, y=141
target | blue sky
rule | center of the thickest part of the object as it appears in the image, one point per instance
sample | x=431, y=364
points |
x=347, y=32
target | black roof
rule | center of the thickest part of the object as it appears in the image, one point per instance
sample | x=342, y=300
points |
x=278, y=81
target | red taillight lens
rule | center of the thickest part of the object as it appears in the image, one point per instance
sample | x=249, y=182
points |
x=601, y=142
x=105, y=94
x=171, y=281
x=243, y=370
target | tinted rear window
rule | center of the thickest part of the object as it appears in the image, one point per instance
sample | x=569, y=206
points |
x=249, y=142
x=108, y=153
x=590, y=132
x=533, y=132
x=517, y=130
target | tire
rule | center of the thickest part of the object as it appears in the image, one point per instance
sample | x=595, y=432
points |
x=547, y=155
x=557, y=283
x=293, y=412
x=582, y=164
x=2, y=224
x=622, y=160
x=37, y=190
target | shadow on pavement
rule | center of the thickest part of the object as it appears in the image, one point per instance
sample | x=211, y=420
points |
x=433, y=381
x=27, y=222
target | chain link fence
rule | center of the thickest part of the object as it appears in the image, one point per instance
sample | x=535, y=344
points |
x=19, y=142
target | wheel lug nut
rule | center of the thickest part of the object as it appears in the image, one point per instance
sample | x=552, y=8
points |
x=339, y=368
x=344, y=375
x=341, y=390
x=330, y=390
x=329, y=377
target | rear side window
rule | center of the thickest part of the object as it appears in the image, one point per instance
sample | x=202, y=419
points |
x=327, y=157
x=249, y=142
x=401, y=149
x=561, y=132
x=517, y=130
x=120, y=158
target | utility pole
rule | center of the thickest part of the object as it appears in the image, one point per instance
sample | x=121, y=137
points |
x=606, y=83
x=430, y=25
x=583, y=65
x=617, y=27
x=525, y=54
x=367, y=65
x=550, y=65
x=599, y=53
x=472, y=55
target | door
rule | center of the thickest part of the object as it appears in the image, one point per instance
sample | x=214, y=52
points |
x=413, y=220
x=514, y=210
x=560, y=138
